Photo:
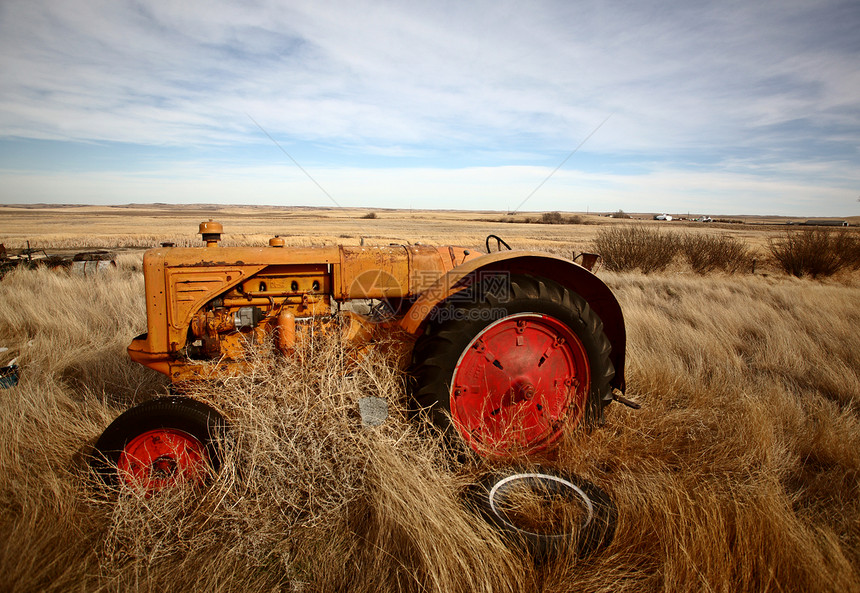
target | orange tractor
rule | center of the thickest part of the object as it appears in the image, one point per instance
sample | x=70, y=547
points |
x=506, y=350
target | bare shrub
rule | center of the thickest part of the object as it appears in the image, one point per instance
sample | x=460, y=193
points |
x=551, y=218
x=621, y=214
x=545, y=218
x=847, y=246
x=707, y=253
x=815, y=252
x=369, y=216
x=636, y=247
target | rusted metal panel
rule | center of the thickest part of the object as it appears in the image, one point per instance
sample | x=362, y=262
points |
x=173, y=294
x=373, y=272
x=395, y=271
x=178, y=257
x=191, y=289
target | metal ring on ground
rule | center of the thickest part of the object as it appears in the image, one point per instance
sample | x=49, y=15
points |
x=594, y=530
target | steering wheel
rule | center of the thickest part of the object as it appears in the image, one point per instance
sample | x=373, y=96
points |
x=499, y=243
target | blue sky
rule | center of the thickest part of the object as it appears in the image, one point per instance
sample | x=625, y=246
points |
x=714, y=107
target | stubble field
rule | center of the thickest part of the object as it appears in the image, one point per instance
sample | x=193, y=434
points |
x=741, y=472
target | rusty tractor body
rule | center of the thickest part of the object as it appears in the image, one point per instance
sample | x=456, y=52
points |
x=507, y=350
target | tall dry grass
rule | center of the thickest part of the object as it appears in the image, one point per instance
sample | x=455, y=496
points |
x=740, y=473
x=744, y=462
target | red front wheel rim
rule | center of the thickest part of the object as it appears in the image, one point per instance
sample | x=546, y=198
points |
x=162, y=457
x=518, y=383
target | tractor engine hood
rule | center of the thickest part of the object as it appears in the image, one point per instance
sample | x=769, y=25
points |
x=179, y=281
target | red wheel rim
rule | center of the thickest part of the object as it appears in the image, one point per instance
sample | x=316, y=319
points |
x=162, y=457
x=518, y=383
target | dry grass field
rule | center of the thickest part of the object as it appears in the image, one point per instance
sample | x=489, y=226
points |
x=63, y=228
x=147, y=226
x=741, y=472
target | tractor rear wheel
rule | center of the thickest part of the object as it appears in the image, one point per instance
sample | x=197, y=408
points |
x=509, y=366
x=160, y=443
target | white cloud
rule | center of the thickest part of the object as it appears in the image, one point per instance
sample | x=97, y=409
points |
x=428, y=72
x=712, y=83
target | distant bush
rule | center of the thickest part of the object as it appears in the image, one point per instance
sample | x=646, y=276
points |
x=369, y=216
x=558, y=218
x=545, y=218
x=816, y=252
x=552, y=218
x=636, y=247
x=620, y=214
x=707, y=253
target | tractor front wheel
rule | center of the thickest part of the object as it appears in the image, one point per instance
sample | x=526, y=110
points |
x=160, y=443
x=510, y=365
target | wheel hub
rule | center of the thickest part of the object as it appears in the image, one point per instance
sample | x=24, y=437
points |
x=517, y=383
x=162, y=457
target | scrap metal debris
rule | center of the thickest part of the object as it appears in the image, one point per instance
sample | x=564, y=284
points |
x=86, y=262
x=93, y=262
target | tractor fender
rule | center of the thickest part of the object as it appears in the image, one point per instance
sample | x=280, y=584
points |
x=558, y=269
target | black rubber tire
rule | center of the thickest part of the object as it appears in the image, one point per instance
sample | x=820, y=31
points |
x=179, y=413
x=438, y=350
x=596, y=530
